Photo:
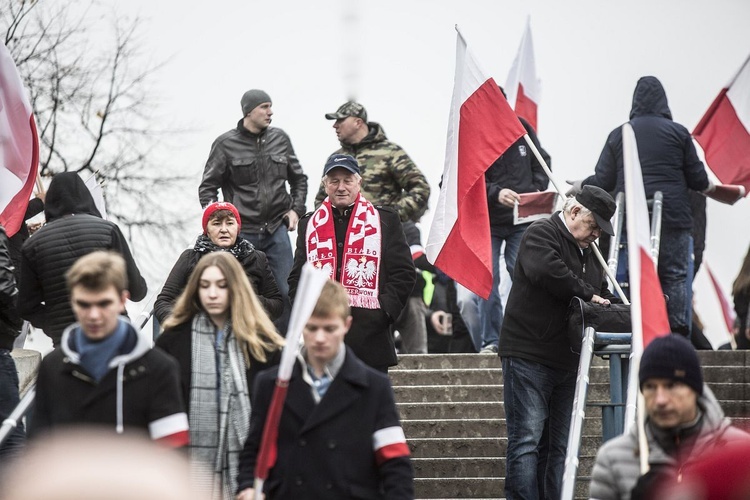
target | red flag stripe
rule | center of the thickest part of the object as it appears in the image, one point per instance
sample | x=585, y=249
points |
x=269, y=446
x=653, y=308
x=525, y=107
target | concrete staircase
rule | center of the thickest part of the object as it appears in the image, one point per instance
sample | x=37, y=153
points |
x=452, y=414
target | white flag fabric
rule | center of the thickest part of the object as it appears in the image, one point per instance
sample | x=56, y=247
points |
x=19, y=146
x=523, y=88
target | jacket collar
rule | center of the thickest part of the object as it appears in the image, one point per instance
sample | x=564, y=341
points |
x=141, y=346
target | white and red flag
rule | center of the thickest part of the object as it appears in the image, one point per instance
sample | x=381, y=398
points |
x=19, y=146
x=727, y=311
x=724, y=131
x=523, y=88
x=481, y=127
x=647, y=306
x=310, y=285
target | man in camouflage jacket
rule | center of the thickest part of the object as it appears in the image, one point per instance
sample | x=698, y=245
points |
x=389, y=177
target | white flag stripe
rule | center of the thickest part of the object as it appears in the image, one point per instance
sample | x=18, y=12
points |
x=637, y=226
x=739, y=95
x=523, y=71
x=310, y=284
x=166, y=426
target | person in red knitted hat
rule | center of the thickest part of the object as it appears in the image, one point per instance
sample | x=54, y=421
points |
x=221, y=232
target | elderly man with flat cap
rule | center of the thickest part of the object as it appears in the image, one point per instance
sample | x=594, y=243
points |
x=258, y=172
x=363, y=247
x=554, y=265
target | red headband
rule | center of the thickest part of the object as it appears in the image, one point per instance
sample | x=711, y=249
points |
x=220, y=205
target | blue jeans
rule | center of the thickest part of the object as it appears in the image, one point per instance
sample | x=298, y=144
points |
x=8, y=401
x=278, y=248
x=468, y=307
x=538, y=407
x=491, y=310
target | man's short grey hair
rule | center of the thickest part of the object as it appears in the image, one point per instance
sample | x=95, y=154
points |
x=571, y=203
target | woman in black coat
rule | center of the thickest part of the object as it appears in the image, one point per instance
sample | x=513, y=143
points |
x=221, y=227
x=221, y=338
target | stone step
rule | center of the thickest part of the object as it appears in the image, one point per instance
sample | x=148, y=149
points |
x=496, y=409
x=475, y=466
x=474, y=393
x=489, y=376
x=451, y=361
x=450, y=411
x=485, y=447
x=597, y=392
x=475, y=428
x=474, y=487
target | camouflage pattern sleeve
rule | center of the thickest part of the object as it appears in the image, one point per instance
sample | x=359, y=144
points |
x=415, y=188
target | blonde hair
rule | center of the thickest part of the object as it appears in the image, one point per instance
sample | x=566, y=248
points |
x=251, y=325
x=333, y=301
x=97, y=271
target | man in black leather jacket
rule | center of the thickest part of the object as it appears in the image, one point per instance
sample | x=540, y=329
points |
x=252, y=164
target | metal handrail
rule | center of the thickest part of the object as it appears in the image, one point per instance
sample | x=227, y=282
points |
x=614, y=246
x=22, y=408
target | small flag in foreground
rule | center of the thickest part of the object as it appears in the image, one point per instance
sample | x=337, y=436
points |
x=481, y=127
x=19, y=143
x=648, y=308
x=523, y=88
x=724, y=131
x=310, y=285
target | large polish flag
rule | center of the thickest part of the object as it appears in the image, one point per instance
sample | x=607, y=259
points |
x=19, y=146
x=523, y=88
x=648, y=309
x=724, y=131
x=481, y=127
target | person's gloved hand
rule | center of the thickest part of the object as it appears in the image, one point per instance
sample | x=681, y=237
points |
x=575, y=187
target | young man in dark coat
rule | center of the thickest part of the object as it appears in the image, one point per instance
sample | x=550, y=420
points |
x=105, y=372
x=339, y=434
x=669, y=164
x=554, y=265
x=364, y=248
x=74, y=228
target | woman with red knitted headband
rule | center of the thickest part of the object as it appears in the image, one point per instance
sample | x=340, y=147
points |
x=221, y=227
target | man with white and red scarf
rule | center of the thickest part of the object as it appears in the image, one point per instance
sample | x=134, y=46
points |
x=363, y=247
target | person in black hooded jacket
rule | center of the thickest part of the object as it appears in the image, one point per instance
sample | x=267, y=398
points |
x=669, y=164
x=73, y=228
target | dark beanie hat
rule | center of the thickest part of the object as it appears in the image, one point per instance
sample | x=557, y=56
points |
x=252, y=99
x=672, y=357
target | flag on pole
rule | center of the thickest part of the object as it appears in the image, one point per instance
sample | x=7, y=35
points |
x=724, y=131
x=19, y=146
x=648, y=308
x=523, y=88
x=481, y=127
x=726, y=310
x=310, y=285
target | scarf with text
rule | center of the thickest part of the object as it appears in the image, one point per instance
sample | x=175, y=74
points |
x=362, y=247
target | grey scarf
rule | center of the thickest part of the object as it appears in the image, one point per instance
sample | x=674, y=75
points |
x=219, y=409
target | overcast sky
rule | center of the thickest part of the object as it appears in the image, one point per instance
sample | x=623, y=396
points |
x=397, y=58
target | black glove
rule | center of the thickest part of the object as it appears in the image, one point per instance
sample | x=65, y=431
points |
x=648, y=484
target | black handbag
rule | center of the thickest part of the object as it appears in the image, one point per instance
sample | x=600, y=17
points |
x=614, y=318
